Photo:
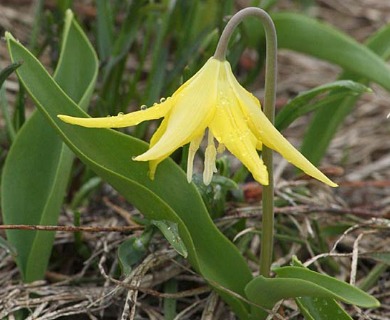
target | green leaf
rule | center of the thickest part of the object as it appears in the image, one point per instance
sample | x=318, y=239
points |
x=297, y=282
x=4, y=74
x=266, y=292
x=132, y=250
x=301, y=105
x=167, y=197
x=38, y=165
x=84, y=191
x=303, y=34
x=7, y=71
x=339, y=290
x=104, y=28
x=171, y=232
x=321, y=309
x=328, y=118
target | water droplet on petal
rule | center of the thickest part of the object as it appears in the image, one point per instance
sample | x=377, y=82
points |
x=120, y=114
x=143, y=107
x=162, y=100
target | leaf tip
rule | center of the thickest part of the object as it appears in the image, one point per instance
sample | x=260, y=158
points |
x=68, y=14
x=8, y=36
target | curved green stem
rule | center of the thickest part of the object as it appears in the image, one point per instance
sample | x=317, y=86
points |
x=269, y=111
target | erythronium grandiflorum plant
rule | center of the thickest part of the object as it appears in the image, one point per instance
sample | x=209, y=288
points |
x=211, y=101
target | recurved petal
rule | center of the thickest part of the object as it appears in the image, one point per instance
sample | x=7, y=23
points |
x=156, y=136
x=270, y=136
x=122, y=120
x=230, y=127
x=194, y=107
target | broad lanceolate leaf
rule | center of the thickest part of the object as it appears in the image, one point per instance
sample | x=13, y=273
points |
x=302, y=104
x=38, y=164
x=298, y=282
x=167, y=197
x=329, y=117
x=340, y=290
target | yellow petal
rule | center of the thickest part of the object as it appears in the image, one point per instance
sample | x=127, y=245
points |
x=270, y=136
x=122, y=120
x=192, y=111
x=156, y=136
x=230, y=127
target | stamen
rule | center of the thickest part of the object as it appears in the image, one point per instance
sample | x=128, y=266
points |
x=194, y=146
x=209, y=161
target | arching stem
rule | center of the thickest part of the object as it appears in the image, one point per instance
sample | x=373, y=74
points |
x=269, y=111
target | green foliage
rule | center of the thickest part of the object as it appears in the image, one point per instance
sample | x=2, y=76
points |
x=132, y=250
x=4, y=74
x=303, y=104
x=297, y=282
x=38, y=165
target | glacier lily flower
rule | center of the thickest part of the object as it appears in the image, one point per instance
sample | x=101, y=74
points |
x=212, y=99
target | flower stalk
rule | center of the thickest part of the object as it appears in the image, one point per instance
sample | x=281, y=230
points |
x=269, y=111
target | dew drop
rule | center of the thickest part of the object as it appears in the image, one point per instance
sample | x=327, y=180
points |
x=120, y=114
x=133, y=158
x=162, y=100
x=154, y=104
x=143, y=107
x=138, y=243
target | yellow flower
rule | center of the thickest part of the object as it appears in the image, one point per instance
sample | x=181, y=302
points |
x=212, y=99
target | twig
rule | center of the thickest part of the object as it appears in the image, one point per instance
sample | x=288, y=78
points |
x=69, y=228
